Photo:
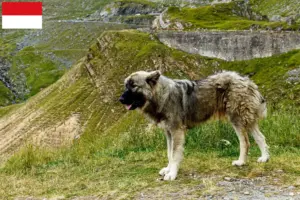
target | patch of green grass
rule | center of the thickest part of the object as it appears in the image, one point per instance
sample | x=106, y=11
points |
x=4, y=111
x=8, y=41
x=40, y=72
x=126, y=158
x=219, y=16
x=280, y=128
x=6, y=96
x=8, y=45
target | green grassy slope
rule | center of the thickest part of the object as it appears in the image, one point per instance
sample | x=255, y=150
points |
x=53, y=50
x=220, y=17
x=40, y=72
x=47, y=53
x=6, y=95
x=116, y=154
x=7, y=45
x=283, y=8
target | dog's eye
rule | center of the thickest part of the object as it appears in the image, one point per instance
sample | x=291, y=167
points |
x=131, y=84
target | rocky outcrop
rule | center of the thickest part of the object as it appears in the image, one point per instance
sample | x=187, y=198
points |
x=159, y=22
x=138, y=20
x=244, y=9
x=128, y=12
x=232, y=45
x=4, y=68
x=190, y=2
x=294, y=76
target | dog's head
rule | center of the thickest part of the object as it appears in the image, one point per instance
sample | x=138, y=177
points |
x=139, y=88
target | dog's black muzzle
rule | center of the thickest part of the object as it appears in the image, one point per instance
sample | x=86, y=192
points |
x=132, y=100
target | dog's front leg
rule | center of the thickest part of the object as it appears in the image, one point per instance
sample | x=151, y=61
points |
x=166, y=170
x=176, y=153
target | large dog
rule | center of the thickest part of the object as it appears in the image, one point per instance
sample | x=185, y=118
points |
x=176, y=105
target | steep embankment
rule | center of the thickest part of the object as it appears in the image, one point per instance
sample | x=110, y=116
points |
x=85, y=100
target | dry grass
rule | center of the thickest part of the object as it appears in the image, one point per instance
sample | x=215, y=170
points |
x=111, y=176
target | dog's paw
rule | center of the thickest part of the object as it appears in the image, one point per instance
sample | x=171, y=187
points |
x=164, y=171
x=238, y=163
x=263, y=159
x=170, y=176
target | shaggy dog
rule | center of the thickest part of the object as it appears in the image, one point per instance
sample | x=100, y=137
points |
x=177, y=105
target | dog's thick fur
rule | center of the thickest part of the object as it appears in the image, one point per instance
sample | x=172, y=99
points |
x=176, y=105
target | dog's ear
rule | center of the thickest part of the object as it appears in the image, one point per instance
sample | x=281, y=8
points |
x=153, y=78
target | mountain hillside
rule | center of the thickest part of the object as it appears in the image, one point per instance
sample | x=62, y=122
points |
x=236, y=15
x=71, y=26
x=285, y=10
x=88, y=94
x=89, y=90
x=40, y=58
x=82, y=109
x=64, y=134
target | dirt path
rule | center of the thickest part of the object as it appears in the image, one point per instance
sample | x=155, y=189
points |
x=226, y=188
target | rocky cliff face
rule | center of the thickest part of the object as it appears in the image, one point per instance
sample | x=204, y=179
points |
x=141, y=13
x=232, y=45
x=4, y=68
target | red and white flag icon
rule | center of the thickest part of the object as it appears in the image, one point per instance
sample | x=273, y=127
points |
x=22, y=15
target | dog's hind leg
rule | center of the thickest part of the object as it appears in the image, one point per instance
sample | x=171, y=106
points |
x=176, y=155
x=261, y=142
x=244, y=145
x=166, y=170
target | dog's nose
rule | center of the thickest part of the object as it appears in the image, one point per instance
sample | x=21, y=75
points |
x=121, y=99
